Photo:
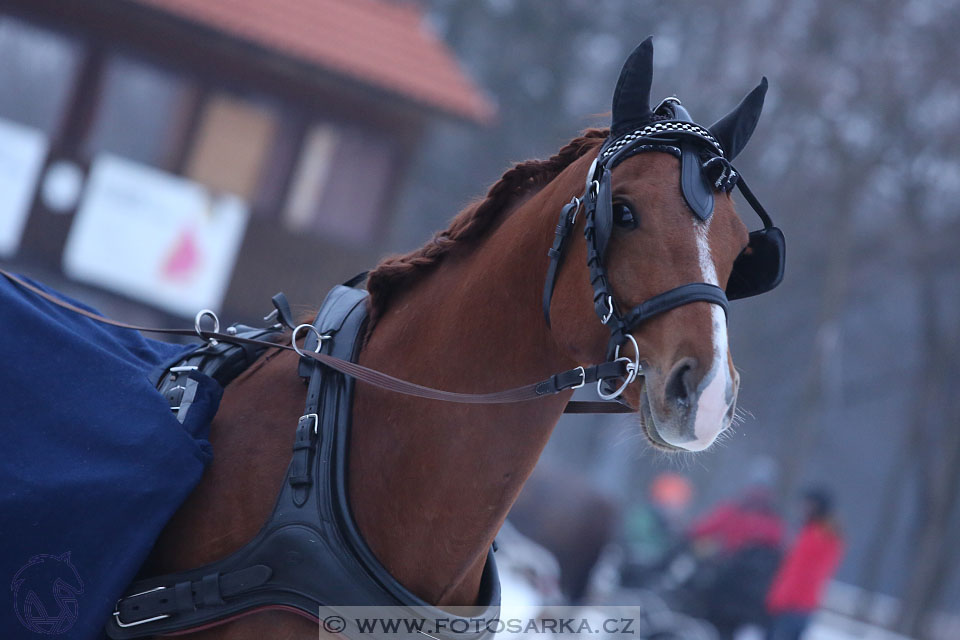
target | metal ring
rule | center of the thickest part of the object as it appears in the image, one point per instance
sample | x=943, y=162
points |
x=320, y=338
x=620, y=389
x=216, y=324
x=595, y=188
x=636, y=358
x=633, y=370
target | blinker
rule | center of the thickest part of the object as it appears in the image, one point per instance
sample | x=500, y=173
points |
x=759, y=268
x=604, y=213
x=696, y=187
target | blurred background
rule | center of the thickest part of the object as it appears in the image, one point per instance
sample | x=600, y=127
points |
x=160, y=156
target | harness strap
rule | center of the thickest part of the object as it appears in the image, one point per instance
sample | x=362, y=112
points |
x=570, y=379
x=556, y=383
x=753, y=202
x=282, y=309
x=597, y=406
x=187, y=596
x=676, y=297
x=568, y=217
x=576, y=378
x=308, y=427
x=304, y=446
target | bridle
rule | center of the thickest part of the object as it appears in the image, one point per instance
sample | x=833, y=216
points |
x=704, y=168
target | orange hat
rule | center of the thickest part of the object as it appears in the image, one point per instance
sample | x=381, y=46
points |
x=671, y=490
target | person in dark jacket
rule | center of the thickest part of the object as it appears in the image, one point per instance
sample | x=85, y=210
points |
x=738, y=549
x=797, y=588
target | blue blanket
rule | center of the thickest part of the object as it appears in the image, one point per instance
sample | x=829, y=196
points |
x=92, y=463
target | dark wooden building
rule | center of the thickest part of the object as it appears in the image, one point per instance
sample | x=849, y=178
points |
x=180, y=154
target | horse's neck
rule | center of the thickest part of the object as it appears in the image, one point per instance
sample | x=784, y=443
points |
x=431, y=482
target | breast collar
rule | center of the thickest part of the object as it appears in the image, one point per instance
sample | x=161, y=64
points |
x=310, y=553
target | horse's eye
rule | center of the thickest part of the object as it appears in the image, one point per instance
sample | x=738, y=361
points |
x=623, y=215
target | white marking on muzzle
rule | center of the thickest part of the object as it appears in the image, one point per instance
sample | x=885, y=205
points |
x=715, y=388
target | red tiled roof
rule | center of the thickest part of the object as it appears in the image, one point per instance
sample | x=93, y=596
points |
x=379, y=42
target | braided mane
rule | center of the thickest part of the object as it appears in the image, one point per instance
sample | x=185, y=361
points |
x=398, y=273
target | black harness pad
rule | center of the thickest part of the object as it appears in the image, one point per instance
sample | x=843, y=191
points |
x=310, y=553
x=604, y=215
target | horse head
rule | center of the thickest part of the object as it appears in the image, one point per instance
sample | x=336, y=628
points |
x=665, y=249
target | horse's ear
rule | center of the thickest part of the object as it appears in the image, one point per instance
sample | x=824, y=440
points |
x=631, y=99
x=734, y=129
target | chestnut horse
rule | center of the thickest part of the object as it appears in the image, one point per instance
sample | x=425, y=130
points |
x=430, y=483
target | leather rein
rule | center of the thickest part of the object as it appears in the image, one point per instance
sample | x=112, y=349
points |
x=569, y=379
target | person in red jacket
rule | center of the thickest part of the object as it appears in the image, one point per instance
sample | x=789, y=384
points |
x=750, y=520
x=799, y=582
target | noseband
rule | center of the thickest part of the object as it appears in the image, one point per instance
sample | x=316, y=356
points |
x=704, y=168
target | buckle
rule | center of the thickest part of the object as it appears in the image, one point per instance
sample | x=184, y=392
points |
x=316, y=421
x=572, y=218
x=583, y=378
x=606, y=318
x=591, y=174
x=183, y=368
x=126, y=625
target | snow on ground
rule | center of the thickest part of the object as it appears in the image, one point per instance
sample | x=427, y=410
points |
x=827, y=625
x=831, y=626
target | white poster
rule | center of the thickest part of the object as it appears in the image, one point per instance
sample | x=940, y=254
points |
x=154, y=236
x=22, y=150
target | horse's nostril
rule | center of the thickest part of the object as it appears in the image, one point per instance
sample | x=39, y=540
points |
x=681, y=387
x=728, y=416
